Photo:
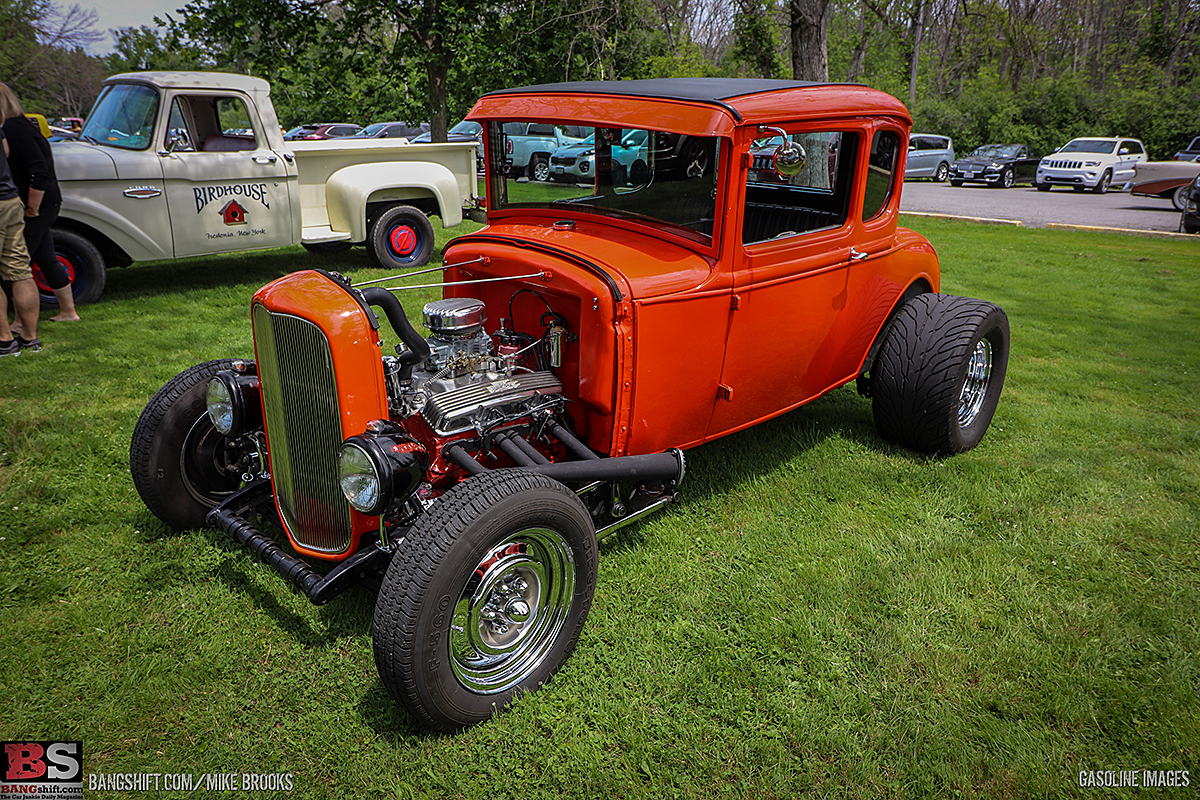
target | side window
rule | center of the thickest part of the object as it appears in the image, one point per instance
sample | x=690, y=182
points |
x=1134, y=147
x=815, y=199
x=233, y=118
x=541, y=130
x=881, y=169
x=179, y=137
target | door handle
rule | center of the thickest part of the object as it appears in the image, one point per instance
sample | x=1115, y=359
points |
x=855, y=255
x=264, y=159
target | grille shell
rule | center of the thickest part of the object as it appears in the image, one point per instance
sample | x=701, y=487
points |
x=321, y=372
x=300, y=408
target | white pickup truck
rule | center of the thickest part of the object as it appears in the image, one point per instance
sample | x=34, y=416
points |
x=175, y=164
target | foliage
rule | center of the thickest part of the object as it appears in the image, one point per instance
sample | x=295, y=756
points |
x=823, y=615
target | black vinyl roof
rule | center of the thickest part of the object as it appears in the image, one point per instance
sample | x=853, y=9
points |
x=715, y=91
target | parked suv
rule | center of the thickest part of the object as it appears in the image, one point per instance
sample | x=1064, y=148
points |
x=587, y=337
x=1093, y=163
x=929, y=156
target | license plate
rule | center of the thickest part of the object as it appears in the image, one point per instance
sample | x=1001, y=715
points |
x=559, y=170
x=968, y=174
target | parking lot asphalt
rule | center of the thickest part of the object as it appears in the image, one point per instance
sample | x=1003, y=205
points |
x=1036, y=209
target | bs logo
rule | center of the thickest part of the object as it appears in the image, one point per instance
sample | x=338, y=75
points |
x=42, y=762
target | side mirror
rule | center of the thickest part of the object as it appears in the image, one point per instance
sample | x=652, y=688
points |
x=789, y=158
x=1124, y=151
x=178, y=140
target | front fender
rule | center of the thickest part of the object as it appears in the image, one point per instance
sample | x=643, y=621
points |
x=124, y=232
x=349, y=189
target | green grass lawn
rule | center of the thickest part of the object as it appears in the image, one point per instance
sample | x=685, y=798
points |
x=824, y=613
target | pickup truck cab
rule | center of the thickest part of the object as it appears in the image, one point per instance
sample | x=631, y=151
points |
x=177, y=164
x=529, y=145
x=587, y=337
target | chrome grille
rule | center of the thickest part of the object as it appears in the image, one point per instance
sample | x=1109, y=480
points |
x=1064, y=164
x=300, y=407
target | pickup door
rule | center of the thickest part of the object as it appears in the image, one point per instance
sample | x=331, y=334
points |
x=226, y=189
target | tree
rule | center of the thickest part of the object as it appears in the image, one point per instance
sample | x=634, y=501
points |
x=808, y=22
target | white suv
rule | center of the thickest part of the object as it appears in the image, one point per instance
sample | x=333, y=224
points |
x=1090, y=163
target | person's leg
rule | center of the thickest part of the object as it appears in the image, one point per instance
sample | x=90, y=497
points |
x=14, y=266
x=39, y=238
x=28, y=304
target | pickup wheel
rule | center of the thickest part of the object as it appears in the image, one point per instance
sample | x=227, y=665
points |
x=486, y=599
x=181, y=466
x=938, y=376
x=84, y=266
x=401, y=237
x=539, y=169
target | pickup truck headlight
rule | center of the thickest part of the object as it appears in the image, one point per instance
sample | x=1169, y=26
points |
x=375, y=471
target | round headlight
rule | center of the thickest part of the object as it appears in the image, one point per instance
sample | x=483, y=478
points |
x=220, y=405
x=360, y=479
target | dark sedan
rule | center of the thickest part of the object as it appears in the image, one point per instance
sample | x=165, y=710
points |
x=996, y=165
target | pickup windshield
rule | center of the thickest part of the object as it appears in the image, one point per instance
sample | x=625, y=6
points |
x=123, y=117
x=666, y=180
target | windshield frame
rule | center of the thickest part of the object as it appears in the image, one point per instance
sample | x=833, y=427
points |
x=703, y=237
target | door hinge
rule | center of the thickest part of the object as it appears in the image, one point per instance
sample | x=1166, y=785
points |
x=735, y=302
x=724, y=392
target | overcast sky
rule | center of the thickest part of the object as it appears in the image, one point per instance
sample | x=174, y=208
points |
x=126, y=14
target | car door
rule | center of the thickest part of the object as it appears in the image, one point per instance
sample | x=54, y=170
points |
x=1129, y=152
x=225, y=192
x=1025, y=167
x=792, y=279
x=918, y=158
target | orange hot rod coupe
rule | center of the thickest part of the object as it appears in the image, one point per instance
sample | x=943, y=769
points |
x=744, y=261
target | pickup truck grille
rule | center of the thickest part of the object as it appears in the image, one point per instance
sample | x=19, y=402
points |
x=300, y=408
x=1064, y=164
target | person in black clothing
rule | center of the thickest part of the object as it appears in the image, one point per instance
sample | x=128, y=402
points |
x=32, y=165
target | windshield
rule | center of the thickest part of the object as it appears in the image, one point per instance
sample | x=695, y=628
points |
x=667, y=180
x=996, y=151
x=1088, y=146
x=467, y=128
x=123, y=117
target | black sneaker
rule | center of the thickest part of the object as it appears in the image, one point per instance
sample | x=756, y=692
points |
x=32, y=345
x=10, y=348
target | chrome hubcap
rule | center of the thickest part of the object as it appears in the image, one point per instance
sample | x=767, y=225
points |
x=511, y=610
x=975, y=387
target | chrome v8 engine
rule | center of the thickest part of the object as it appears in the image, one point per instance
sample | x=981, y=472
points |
x=464, y=384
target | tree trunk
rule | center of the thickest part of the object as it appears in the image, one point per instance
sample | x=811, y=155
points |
x=809, y=23
x=918, y=33
x=438, y=70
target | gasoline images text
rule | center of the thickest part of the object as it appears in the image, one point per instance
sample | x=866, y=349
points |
x=186, y=781
x=1135, y=778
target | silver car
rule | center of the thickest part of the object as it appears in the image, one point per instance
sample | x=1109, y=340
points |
x=929, y=156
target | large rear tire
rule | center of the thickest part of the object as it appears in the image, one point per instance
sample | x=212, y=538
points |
x=486, y=599
x=180, y=465
x=938, y=376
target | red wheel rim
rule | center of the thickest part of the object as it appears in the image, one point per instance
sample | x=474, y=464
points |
x=403, y=240
x=40, y=279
